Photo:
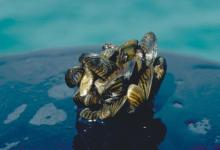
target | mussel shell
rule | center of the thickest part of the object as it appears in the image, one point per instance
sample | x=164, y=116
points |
x=148, y=41
x=160, y=68
x=105, y=112
x=86, y=82
x=110, y=54
x=83, y=57
x=92, y=99
x=73, y=76
x=145, y=81
x=135, y=95
x=100, y=67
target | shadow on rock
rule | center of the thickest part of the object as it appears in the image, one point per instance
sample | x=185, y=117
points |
x=138, y=131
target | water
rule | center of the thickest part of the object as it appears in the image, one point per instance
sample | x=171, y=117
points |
x=190, y=26
x=187, y=102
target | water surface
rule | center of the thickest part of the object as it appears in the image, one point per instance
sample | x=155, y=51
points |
x=189, y=26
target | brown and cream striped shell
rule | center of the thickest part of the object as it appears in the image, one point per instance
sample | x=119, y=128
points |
x=73, y=76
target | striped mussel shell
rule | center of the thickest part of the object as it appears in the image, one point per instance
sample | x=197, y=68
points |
x=90, y=100
x=73, y=76
x=135, y=95
x=85, y=56
x=93, y=98
x=115, y=87
x=100, y=67
x=145, y=81
x=105, y=112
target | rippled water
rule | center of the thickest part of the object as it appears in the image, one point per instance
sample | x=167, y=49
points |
x=189, y=26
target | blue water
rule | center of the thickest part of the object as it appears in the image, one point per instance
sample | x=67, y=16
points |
x=187, y=102
x=190, y=26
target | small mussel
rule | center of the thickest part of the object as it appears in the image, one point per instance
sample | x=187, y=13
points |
x=73, y=76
